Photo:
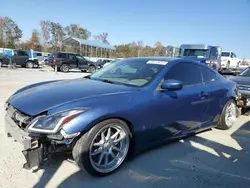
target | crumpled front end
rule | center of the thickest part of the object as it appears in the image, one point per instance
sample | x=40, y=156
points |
x=36, y=147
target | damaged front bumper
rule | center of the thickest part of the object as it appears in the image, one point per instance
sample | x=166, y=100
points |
x=36, y=148
x=33, y=151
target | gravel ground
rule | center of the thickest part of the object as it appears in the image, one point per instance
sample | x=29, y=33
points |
x=213, y=158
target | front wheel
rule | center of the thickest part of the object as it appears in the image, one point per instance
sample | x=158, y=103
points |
x=29, y=65
x=228, y=116
x=103, y=149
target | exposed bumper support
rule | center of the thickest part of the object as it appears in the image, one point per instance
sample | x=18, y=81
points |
x=34, y=157
x=33, y=151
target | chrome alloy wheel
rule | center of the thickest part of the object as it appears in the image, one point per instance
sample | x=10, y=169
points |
x=230, y=114
x=109, y=148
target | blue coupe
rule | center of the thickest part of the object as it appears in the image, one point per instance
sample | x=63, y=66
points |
x=122, y=109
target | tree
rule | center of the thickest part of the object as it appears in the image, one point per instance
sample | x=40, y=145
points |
x=139, y=47
x=34, y=42
x=102, y=37
x=10, y=33
x=75, y=30
x=45, y=28
x=159, y=49
x=57, y=34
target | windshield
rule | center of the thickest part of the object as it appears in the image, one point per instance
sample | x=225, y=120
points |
x=225, y=54
x=132, y=72
x=245, y=72
x=194, y=52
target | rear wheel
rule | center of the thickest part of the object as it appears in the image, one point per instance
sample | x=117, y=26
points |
x=29, y=65
x=103, y=149
x=228, y=116
x=64, y=68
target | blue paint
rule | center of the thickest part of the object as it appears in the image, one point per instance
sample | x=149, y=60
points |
x=154, y=114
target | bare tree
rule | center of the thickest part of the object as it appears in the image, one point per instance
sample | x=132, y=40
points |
x=45, y=27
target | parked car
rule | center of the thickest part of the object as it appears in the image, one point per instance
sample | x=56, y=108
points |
x=243, y=80
x=40, y=57
x=229, y=60
x=122, y=109
x=113, y=61
x=66, y=61
x=20, y=57
x=4, y=59
x=101, y=62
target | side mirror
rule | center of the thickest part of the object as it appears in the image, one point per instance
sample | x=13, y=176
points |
x=172, y=84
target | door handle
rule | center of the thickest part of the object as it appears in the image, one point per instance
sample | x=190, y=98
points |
x=203, y=94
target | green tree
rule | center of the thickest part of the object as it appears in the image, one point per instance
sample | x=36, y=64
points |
x=10, y=33
x=75, y=30
x=57, y=35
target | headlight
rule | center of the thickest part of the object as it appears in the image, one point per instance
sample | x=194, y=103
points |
x=51, y=124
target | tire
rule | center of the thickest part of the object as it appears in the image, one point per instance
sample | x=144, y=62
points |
x=64, y=68
x=225, y=124
x=228, y=65
x=87, y=158
x=1, y=64
x=92, y=69
x=29, y=65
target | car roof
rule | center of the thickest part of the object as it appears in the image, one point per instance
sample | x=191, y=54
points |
x=171, y=59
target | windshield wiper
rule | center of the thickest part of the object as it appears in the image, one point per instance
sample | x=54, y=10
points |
x=107, y=81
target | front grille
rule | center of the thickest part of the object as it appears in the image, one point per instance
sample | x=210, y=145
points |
x=247, y=88
x=18, y=117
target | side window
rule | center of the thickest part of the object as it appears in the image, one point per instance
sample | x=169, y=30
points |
x=72, y=57
x=62, y=55
x=22, y=53
x=188, y=73
x=234, y=56
x=208, y=75
x=214, y=53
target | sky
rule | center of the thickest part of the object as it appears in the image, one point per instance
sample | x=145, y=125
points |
x=225, y=23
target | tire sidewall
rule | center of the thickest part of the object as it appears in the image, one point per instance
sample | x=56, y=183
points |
x=82, y=147
x=64, y=65
x=29, y=63
x=228, y=64
x=92, y=69
x=222, y=123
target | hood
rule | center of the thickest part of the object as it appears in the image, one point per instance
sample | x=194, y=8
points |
x=241, y=80
x=38, y=99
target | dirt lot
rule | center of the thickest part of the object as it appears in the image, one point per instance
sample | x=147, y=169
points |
x=214, y=158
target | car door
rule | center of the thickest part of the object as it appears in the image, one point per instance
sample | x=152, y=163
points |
x=181, y=111
x=72, y=60
x=20, y=57
x=216, y=93
x=83, y=63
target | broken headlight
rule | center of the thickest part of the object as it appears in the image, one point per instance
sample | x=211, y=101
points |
x=51, y=123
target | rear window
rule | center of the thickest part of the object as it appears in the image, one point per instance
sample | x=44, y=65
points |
x=62, y=55
x=52, y=55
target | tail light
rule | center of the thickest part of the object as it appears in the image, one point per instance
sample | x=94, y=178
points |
x=54, y=60
x=211, y=65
